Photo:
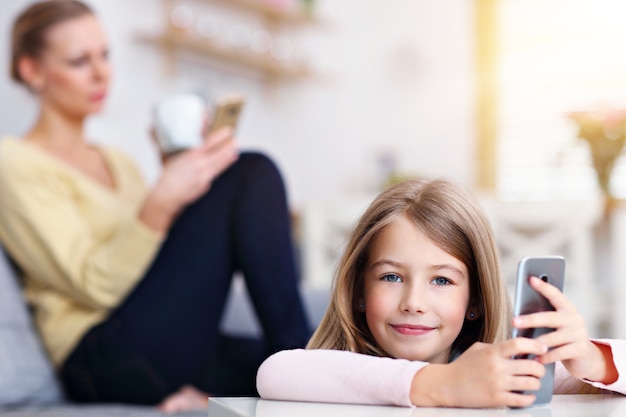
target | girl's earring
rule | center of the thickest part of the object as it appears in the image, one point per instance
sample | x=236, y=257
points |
x=471, y=315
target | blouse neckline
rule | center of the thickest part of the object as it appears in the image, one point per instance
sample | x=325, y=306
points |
x=104, y=152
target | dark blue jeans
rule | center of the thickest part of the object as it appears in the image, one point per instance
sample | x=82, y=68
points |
x=166, y=333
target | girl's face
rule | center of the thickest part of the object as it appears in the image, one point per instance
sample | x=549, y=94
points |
x=416, y=295
x=73, y=72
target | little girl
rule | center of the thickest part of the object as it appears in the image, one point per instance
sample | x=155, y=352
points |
x=420, y=315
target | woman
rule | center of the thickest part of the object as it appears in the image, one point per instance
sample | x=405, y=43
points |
x=128, y=284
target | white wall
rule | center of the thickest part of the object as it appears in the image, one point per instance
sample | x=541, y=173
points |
x=399, y=79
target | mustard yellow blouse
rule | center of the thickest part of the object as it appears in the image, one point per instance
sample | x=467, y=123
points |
x=80, y=245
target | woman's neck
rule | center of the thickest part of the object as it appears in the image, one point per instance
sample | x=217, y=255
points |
x=57, y=131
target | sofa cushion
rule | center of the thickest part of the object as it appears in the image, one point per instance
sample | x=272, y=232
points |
x=26, y=373
x=92, y=410
x=240, y=319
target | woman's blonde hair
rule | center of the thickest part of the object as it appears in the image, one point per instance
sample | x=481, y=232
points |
x=450, y=217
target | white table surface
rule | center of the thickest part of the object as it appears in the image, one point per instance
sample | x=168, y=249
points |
x=561, y=406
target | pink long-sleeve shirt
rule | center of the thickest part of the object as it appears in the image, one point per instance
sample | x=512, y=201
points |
x=335, y=376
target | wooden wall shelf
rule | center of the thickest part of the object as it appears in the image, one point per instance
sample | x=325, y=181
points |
x=269, y=12
x=264, y=64
x=174, y=39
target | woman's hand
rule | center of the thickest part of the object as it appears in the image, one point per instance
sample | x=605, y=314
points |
x=186, y=176
x=206, y=134
x=189, y=174
x=570, y=342
x=485, y=375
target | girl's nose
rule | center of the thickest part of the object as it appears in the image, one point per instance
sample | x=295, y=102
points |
x=413, y=300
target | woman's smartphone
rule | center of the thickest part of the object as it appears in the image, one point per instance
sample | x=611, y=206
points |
x=550, y=269
x=227, y=112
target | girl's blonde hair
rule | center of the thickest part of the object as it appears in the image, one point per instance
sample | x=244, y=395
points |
x=451, y=218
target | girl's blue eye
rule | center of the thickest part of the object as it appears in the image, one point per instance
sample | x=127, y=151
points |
x=441, y=281
x=392, y=278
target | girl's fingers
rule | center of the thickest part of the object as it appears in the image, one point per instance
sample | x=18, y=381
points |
x=564, y=336
x=524, y=383
x=522, y=346
x=527, y=367
x=552, y=319
x=513, y=399
x=553, y=294
x=563, y=352
x=565, y=315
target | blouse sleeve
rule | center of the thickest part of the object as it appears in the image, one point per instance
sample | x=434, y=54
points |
x=564, y=383
x=48, y=236
x=336, y=376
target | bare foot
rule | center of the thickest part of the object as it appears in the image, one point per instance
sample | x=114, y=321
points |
x=187, y=398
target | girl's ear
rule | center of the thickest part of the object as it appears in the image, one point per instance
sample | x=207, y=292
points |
x=28, y=69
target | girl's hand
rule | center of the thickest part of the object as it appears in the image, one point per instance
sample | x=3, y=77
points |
x=485, y=375
x=188, y=175
x=569, y=343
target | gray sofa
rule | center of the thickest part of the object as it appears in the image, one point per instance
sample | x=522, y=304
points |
x=28, y=384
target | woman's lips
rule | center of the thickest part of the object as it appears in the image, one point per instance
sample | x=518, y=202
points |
x=412, y=329
x=98, y=96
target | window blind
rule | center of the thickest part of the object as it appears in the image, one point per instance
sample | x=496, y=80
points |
x=554, y=57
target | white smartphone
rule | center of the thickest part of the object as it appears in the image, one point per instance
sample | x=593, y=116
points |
x=227, y=112
x=550, y=269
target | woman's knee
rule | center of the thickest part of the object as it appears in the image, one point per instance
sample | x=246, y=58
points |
x=257, y=165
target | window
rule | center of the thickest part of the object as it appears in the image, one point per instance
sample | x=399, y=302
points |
x=548, y=58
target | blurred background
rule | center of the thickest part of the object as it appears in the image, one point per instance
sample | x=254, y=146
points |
x=521, y=100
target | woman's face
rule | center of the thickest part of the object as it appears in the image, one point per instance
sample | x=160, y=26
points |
x=416, y=295
x=73, y=72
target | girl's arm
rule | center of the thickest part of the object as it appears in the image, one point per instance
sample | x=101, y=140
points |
x=484, y=376
x=336, y=376
x=614, y=353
